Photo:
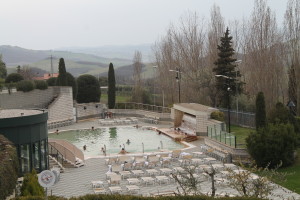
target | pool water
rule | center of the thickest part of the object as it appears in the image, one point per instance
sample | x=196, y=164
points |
x=116, y=138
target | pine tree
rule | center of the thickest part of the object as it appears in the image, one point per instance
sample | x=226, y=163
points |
x=111, y=87
x=260, y=113
x=225, y=66
x=62, y=77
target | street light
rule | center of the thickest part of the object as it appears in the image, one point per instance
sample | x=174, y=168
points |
x=178, y=79
x=236, y=93
x=154, y=69
x=228, y=96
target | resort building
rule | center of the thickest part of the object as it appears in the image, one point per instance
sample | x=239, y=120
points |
x=27, y=129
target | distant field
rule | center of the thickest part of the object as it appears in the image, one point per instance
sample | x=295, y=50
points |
x=119, y=99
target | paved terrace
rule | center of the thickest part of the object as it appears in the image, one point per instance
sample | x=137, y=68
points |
x=77, y=181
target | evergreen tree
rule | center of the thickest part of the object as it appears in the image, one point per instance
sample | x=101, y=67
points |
x=88, y=89
x=31, y=186
x=3, y=71
x=111, y=87
x=260, y=113
x=72, y=82
x=292, y=87
x=62, y=76
x=225, y=66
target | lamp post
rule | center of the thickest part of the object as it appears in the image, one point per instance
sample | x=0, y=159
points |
x=178, y=79
x=154, y=69
x=236, y=93
x=228, y=97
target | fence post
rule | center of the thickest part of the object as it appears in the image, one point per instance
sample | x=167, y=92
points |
x=225, y=137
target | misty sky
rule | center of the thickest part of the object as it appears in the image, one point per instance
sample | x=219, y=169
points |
x=50, y=24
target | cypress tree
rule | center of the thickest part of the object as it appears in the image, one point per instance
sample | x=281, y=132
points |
x=260, y=112
x=111, y=87
x=292, y=87
x=62, y=77
x=225, y=66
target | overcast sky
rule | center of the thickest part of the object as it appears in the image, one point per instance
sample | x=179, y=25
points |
x=50, y=24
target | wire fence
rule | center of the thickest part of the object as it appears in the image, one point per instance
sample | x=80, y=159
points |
x=245, y=119
x=141, y=106
x=218, y=133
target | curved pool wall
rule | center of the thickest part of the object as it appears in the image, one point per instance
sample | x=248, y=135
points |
x=116, y=138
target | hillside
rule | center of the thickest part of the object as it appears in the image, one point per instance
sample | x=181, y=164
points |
x=76, y=63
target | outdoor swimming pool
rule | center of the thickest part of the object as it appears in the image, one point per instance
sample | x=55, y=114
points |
x=116, y=138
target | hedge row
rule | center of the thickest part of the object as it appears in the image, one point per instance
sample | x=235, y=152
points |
x=8, y=167
x=127, y=197
x=27, y=85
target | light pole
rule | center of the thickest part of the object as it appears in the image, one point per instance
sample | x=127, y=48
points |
x=178, y=79
x=236, y=93
x=154, y=69
x=228, y=97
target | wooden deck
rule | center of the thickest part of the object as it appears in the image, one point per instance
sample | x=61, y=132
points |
x=171, y=133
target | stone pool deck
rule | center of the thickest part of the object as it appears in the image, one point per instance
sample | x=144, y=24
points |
x=77, y=181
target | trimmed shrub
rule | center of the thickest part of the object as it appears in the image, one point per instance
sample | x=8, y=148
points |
x=8, y=167
x=88, y=89
x=72, y=82
x=272, y=145
x=25, y=86
x=218, y=115
x=31, y=186
x=13, y=78
x=41, y=85
x=52, y=81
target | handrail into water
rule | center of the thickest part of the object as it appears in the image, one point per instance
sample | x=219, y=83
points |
x=71, y=147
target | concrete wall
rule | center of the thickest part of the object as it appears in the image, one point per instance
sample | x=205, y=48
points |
x=32, y=99
x=89, y=110
x=61, y=109
x=237, y=154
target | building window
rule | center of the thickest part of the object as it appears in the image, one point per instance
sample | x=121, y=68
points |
x=36, y=156
x=25, y=160
x=43, y=155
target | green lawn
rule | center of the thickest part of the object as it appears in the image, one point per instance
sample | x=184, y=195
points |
x=119, y=99
x=293, y=180
x=241, y=134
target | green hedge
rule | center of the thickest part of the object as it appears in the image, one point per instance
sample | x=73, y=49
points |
x=25, y=86
x=41, y=84
x=8, y=167
x=127, y=197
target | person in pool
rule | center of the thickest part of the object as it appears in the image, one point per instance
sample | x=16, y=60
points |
x=84, y=147
x=123, y=151
x=128, y=141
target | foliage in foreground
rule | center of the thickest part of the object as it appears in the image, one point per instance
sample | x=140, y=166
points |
x=128, y=197
x=8, y=167
x=31, y=186
x=273, y=145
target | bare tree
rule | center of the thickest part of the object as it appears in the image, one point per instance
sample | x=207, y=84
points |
x=137, y=70
x=292, y=41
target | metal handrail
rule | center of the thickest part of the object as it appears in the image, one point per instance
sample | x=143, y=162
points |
x=57, y=154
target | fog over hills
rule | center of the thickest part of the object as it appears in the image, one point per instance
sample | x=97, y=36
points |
x=115, y=51
x=78, y=61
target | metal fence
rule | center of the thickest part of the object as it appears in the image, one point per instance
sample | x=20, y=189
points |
x=240, y=118
x=140, y=106
x=218, y=133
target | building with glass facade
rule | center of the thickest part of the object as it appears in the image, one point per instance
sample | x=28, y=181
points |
x=27, y=129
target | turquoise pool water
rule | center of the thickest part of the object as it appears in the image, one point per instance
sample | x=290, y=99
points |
x=116, y=138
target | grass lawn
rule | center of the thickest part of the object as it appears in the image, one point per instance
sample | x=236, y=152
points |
x=293, y=180
x=119, y=99
x=241, y=134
